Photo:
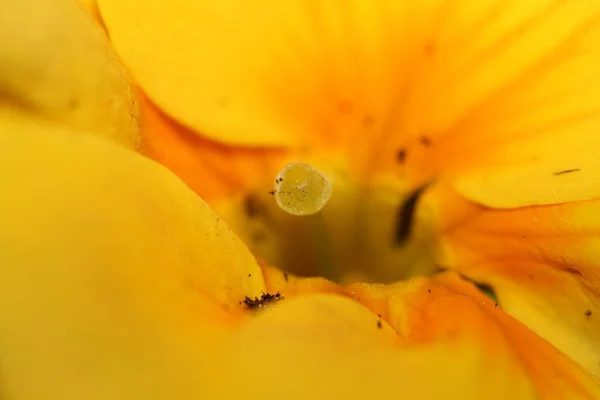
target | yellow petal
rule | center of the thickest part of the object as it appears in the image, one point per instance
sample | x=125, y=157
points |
x=542, y=262
x=569, y=176
x=452, y=85
x=270, y=74
x=533, y=139
x=91, y=6
x=56, y=64
x=548, y=154
x=328, y=346
x=115, y=279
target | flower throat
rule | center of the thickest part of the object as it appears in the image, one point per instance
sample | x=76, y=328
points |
x=322, y=224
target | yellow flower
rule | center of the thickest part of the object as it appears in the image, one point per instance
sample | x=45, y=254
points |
x=495, y=102
x=119, y=282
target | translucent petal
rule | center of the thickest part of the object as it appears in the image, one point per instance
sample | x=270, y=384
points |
x=542, y=263
x=56, y=64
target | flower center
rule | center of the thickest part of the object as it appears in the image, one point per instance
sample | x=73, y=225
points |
x=316, y=220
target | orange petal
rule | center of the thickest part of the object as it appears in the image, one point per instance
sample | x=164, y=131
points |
x=323, y=346
x=542, y=262
x=212, y=170
x=453, y=85
x=533, y=97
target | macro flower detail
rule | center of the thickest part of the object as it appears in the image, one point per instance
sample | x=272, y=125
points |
x=460, y=113
x=450, y=146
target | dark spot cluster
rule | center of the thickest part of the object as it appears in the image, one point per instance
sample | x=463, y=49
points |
x=379, y=324
x=485, y=289
x=405, y=216
x=402, y=152
x=425, y=141
x=262, y=302
x=251, y=206
x=488, y=291
x=567, y=171
x=572, y=270
x=588, y=313
x=401, y=155
x=278, y=180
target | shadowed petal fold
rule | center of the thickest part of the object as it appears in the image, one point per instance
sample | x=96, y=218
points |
x=541, y=261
